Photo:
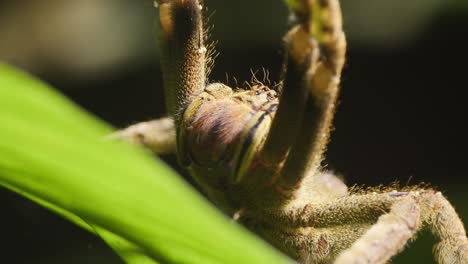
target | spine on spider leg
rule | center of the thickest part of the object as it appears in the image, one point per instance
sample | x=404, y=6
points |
x=183, y=53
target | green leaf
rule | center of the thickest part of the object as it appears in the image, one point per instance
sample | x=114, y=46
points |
x=57, y=155
x=126, y=250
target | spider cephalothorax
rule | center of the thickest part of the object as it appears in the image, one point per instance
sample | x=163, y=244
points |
x=217, y=131
x=256, y=152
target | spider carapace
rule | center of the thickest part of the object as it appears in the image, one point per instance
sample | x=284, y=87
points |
x=220, y=132
x=256, y=151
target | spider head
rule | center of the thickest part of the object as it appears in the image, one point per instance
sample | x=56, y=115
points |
x=221, y=131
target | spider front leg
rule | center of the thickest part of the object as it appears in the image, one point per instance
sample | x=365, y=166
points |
x=183, y=53
x=322, y=79
x=183, y=60
x=315, y=53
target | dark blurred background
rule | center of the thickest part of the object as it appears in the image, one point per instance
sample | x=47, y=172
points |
x=402, y=113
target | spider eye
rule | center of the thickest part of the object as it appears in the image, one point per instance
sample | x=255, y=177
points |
x=257, y=93
x=265, y=89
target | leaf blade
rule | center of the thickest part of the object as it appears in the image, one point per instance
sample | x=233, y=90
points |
x=57, y=154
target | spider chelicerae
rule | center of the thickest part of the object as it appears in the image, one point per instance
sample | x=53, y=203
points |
x=256, y=152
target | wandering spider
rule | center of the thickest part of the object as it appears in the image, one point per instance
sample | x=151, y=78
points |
x=256, y=152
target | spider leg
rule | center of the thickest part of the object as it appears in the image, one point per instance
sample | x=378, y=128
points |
x=314, y=57
x=183, y=53
x=397, y=217
x=316, y=231
x=301, y=52
x=301, y=57
x=445, y=224
x=157, y=135
x=322, y=81
x=183, y=62
x=389, y=235
x=314, y=245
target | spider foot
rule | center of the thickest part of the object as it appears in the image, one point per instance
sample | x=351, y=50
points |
x=321, y=22
x=321, y=18
x=326, y=21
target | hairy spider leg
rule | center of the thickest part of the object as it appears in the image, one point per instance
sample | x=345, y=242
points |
x=419, y=209
x=322, y=79
x=183, y=53
x=293, y=93
x=393, y=218
x=157, y=135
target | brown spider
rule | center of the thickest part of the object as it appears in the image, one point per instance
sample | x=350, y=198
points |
x=256, y=152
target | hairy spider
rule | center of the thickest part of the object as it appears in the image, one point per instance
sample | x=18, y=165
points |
x=256, y=152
